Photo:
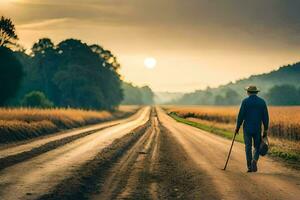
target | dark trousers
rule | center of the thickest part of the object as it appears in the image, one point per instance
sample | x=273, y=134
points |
x=248, y=137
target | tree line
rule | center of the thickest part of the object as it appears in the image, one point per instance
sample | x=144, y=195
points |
x=278, y=87
x=134, y=95
x=68, y=74
x=277, y=95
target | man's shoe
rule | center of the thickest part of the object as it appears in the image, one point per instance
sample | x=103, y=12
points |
x=249, y=171
x=254, y=166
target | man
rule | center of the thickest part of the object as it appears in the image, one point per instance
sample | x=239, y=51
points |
x=253, y=113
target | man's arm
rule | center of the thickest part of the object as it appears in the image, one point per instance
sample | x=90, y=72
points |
x=265, y=120
x=241, y=117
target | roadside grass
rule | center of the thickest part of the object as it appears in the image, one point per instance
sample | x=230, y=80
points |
x=278, y=148
x=212, y=129
x=17, y=124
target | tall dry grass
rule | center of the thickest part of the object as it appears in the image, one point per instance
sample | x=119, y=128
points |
x=24, y=123
x=284, y=121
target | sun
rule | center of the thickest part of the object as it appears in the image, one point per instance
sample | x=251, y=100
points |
x=150, y=63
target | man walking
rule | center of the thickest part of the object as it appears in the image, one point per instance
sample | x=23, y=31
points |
x=253, y=113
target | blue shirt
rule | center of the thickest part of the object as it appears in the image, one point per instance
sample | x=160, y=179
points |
x=253, y=113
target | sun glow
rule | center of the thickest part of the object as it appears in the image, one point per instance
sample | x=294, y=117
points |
x=5, y=2
x=150, y=63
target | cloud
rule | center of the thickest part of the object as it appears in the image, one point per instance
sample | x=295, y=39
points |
x=24, y=12
x=45, y=24
x=218, y=24
x=251, y=16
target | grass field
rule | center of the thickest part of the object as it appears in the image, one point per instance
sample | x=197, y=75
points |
x=24, y=123
x=284, y=128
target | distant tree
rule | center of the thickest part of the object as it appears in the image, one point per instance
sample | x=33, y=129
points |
x=231, y=97
x=283, y=95
x=32, y=79
x=10, y=75
x=8, y=34
x=206, y=98
x=42, y=46
x=110, y=60
x=219, y=100
x=134, y=95
x=85, y=78
x=75, y=74
x=36, y=99
x=288, y=74
x=147, y=95
x=46, y=63
x=111, y=81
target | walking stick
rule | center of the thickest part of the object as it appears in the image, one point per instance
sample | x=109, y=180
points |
x=229, y=151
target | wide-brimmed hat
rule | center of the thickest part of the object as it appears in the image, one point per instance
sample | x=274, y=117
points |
x=252, y=88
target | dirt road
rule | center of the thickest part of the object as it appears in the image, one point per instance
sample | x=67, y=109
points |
x=123, y=181
x=208, y=151
x=38, y=175
x=147, y=156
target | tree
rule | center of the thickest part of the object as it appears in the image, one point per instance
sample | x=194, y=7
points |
x=28, y=82
x=231, y=97
x=36, y=99
x=137, y=96
x=43, y=46
x=132, y=94
x=110, y=60
x=147, y=95
x=8, y=34
x=10, y=75
x=111, y=81
x=283, y=95
x=71, y=74
x=86, y=78
x=45, y=62
x=219, y=100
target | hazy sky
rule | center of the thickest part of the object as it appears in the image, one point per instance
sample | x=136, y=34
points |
x=197, y=43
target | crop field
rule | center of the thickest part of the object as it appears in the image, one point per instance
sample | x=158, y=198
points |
x=284, y=121
x=24, y=123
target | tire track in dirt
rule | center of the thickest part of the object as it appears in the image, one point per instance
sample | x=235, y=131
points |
x=88, y=178
x=181, y=178
x=153, y=187
x=23, y=156
x=156, y=167
x=123, y=179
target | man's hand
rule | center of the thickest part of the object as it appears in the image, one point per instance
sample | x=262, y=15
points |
x=236, y=131
x=265, y=133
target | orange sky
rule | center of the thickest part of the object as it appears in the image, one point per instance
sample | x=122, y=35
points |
x=197, y=43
